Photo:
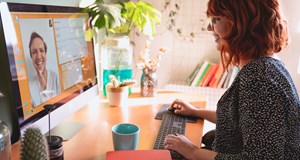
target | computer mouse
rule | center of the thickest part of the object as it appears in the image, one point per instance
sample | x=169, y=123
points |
x=172, y=109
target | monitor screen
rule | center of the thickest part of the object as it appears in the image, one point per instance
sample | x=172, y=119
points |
x=51, y=62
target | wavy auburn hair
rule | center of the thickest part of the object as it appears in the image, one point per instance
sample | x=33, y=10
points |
x=258, y=29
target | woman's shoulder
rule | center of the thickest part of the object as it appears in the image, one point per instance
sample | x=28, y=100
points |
x=263, y=68
x=267, y=71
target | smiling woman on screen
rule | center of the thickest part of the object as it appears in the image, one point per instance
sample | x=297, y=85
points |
x=45, y=83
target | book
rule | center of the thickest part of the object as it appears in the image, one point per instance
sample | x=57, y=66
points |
x=139, y=155
x=200, y=72
x=226, y=83
x=214, y=81
x=193, y=74
x=222, y=79
x=235, y=71
x=200, y=81
x=209, y=75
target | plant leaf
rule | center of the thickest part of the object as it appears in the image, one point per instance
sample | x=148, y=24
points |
x=106, y=15
x=123, y=16
x=89, y=35
x=146, y=16
x=99, y=23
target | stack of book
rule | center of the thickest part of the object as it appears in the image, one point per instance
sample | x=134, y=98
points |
x=209, y=74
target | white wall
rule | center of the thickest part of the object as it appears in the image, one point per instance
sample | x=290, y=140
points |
x=292, y=55
x=184, y=54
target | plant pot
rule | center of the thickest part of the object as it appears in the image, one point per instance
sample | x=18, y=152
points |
x=117, y=96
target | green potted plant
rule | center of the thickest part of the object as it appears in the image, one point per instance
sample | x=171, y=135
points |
x=120, y=18
x=34, y=145
x=117, y=92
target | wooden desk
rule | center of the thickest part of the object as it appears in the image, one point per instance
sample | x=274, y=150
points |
x=95, y=139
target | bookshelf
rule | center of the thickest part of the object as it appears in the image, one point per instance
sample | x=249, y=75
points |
x=210, y=74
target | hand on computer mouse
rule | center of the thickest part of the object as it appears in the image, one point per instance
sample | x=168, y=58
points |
x=171, y=109
x=181, y=107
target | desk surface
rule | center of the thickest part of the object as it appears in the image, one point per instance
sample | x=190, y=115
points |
x=95, y=138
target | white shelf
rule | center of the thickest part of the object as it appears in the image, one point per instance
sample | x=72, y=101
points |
x=213, y=94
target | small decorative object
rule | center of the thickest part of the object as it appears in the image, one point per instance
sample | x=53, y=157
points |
x=117, y=92
x=56, y=151
x=5, y=147
x=149, y=83
x=34, y=145
x=149, y=66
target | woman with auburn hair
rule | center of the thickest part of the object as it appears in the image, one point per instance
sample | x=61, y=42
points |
x=258, y=117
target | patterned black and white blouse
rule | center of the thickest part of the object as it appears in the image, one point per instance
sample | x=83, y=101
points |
x=258, y=117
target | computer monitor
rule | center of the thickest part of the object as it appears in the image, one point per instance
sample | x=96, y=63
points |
x=50, y=61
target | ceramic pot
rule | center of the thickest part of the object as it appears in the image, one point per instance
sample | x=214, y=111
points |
x=117, y=96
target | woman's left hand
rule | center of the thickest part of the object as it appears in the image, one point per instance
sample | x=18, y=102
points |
x=180, y=144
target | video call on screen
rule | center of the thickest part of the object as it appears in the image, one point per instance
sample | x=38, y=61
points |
x=69, y=58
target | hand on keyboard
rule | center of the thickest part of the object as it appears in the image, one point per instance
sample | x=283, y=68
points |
x=181, y=144
x=171, y=124
x=174, y=154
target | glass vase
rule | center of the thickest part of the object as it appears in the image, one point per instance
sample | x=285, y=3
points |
x=116, y=59
x=149, y=83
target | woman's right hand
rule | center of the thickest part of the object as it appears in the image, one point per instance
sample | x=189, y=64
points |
x=181, y=144
x=182, y=107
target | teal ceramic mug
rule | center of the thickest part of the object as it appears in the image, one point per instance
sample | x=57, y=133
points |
x=125, y=136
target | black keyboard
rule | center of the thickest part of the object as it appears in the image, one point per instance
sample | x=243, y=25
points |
x=171, y=124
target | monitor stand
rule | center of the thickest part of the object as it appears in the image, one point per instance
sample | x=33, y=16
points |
x=66, y=130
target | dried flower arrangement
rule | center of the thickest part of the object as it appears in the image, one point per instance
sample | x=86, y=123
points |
x=145, y=62
x=116, y=83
